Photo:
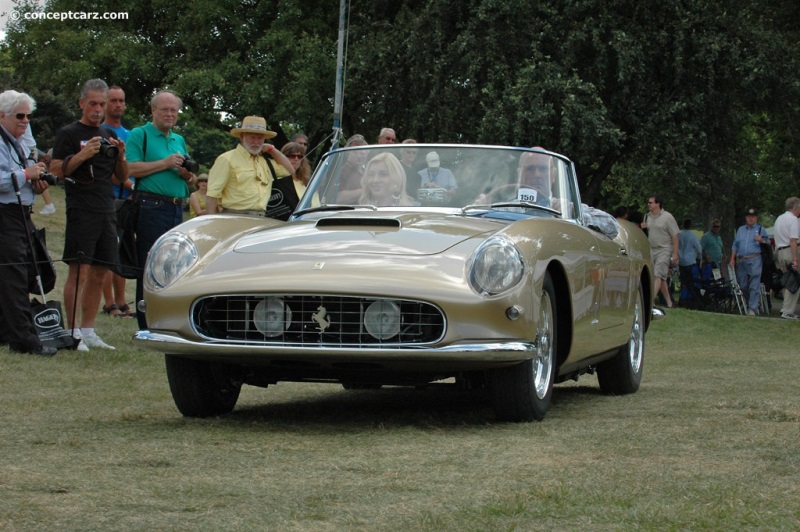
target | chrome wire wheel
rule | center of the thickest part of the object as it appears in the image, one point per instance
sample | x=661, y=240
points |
x=636, y=342
x=542, y=366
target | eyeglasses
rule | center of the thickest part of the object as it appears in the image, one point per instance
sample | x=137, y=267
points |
x=295, y=156
x=541, y=168
x=20, y=116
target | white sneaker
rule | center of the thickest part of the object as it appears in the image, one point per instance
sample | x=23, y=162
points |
x=92, y=340
x=751, y=312
x=48, y=209
x=82, y=345
x=789, y=316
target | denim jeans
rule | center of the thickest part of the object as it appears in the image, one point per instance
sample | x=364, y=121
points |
x=155, y=218
x=748, y=274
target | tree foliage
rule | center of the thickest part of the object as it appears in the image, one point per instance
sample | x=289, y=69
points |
x=696, y=100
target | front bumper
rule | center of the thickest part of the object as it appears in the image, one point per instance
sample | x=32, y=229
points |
x=488, y=354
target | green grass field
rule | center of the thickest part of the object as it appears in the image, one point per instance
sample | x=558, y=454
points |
x=92, y=441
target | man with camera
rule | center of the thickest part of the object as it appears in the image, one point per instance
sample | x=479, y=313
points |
x=20, y=179
x=241, y=179
x=87, y=156
x=163, y=170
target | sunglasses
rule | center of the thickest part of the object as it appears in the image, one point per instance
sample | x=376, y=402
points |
x=295, y=156
x=20, y=116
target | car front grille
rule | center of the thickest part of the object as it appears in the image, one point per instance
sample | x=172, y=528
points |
x=316, y=321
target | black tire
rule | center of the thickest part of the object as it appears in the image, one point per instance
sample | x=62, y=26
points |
x=522, y=392
x=200, y=388
x=623, y=374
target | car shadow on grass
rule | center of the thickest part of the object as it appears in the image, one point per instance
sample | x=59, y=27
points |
x=434, y=406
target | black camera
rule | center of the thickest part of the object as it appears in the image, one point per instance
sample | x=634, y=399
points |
x=49, y=178
x=190, y=165
x=107, y=149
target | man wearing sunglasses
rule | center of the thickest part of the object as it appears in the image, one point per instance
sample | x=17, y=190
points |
x=16, y=321
x=712, y=244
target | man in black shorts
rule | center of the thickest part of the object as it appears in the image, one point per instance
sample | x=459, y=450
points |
x=87, y=156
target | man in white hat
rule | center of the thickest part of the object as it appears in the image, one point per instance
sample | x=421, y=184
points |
x=434, y=176
x=241, y=179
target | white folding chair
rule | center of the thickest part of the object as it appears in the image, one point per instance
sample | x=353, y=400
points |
x=737, y=291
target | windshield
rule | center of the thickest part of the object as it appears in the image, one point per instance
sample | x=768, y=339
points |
x=414, y=176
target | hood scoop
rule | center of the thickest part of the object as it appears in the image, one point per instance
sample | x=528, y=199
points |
x=337, y=222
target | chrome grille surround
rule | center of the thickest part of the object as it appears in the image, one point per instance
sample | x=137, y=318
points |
x=229, y=319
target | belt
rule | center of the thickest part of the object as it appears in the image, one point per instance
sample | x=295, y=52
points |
x=15, y=206
x=252, y=212
x=782, y=247
x=159, y=197
x=754, y=255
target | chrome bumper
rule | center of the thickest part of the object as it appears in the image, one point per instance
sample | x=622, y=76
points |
x=498, y=352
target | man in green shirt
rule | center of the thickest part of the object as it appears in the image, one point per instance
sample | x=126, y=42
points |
x=156, y=157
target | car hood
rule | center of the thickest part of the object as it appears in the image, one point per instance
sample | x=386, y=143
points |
x=369, y=233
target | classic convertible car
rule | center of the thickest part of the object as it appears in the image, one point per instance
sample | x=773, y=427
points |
x=405, y=265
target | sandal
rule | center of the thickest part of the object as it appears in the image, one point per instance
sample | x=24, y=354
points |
x=125, y=312
x=110, y=310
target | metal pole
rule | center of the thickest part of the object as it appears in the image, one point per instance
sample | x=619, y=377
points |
x=339, y=95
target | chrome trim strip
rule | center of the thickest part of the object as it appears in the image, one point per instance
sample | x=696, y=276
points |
x=510, y=351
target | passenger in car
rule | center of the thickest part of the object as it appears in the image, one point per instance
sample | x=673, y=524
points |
x=384, y=182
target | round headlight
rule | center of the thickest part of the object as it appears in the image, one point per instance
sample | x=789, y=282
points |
x=271, y=317
x=171, y=256
x=382, y=319
x=496, y=266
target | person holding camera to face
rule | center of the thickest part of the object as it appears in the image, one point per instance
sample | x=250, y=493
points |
x=23, y=176
x=89, y=158
x=164, y=171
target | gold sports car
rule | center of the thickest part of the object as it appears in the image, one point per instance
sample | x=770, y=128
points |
x=405, y=265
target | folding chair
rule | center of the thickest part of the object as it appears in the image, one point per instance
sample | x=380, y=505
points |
x=741, y=304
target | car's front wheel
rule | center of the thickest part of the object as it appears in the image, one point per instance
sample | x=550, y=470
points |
x=623, y=373
x=201, y=388
x=523, y=392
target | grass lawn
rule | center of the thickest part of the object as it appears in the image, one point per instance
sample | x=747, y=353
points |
x=92, y=441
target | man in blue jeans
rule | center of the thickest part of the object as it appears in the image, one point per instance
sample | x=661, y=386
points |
x=746, y=258
x=155, y=158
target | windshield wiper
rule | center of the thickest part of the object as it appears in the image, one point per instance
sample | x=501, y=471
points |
x=522, y=204
x=334, y=207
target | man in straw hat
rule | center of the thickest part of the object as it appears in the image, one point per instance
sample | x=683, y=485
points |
x=241, y=179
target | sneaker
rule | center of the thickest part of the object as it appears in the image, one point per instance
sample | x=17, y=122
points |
x=92, y=340
x=751, y=312
x=82, y=345
x=48, y=209
x=789, y=316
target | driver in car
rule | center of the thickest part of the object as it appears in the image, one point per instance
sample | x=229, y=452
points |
x=536, y=178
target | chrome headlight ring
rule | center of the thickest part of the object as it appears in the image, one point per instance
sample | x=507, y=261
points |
x=170, y=257
x=495, y=267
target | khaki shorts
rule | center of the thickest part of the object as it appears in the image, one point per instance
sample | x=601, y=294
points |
x=662, y=260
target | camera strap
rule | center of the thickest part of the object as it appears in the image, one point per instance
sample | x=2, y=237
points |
x=16, y=147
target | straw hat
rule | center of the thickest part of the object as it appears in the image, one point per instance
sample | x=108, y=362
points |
x=253, y=124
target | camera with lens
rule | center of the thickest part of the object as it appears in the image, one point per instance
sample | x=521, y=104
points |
x=107, y=149
x=48, y=178
x=190, y=165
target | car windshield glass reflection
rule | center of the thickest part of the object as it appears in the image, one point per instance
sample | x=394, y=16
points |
x=413, y=176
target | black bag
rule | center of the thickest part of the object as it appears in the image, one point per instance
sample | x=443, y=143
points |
x=47, y=270
x=791, y=280
x=47, y=319
x=127, y=264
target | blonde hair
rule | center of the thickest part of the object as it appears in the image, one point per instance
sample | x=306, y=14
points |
x=398, y=178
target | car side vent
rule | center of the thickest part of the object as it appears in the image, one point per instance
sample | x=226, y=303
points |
x=359, y=222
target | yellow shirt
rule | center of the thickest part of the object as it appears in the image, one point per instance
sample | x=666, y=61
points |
x=242, y=181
